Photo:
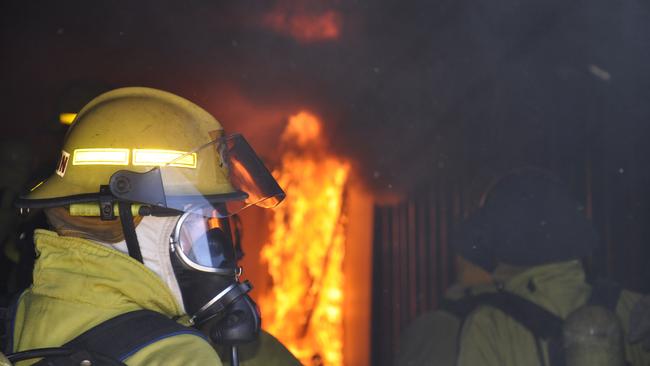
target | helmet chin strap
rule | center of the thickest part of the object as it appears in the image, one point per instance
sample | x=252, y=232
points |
x=126, y=219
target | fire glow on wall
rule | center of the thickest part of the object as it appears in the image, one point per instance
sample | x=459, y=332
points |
x=306, y=247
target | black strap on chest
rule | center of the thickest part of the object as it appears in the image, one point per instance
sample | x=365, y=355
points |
x=113, y=341
x=533, y=317
x=539, y=321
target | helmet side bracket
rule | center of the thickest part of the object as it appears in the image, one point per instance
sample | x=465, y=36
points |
x=145, y=187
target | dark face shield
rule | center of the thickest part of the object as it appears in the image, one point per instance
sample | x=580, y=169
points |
x=219, y=178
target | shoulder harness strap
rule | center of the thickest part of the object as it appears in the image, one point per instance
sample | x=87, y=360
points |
x=533, y=317
x=121, y=337
x=543, y=324
x=540, y=322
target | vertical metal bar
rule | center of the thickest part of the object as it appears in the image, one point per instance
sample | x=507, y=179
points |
x=589, y=205
x=376, y=326
x=386, y=283
x=433, y=246
x=394, y=258
x=456, y=219
x=412, y=260
x=608, y=213
x=444, y=228
x=423, y=256
x=403, y=269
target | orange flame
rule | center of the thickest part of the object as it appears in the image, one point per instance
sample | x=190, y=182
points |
x=305, y=27
x=306, y=248
x=302, y=129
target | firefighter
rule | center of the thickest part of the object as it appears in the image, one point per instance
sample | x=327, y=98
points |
x=432, y=338
x=141, y=254
x=531, y=235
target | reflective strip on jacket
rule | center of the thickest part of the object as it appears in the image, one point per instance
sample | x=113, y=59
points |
x=79, y=284
x=491, y=338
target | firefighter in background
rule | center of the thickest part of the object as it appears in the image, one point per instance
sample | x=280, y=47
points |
x=531, y=235
x=432, y=338
x=139, y=205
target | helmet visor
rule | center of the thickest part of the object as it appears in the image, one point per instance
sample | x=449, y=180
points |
x=219, y=178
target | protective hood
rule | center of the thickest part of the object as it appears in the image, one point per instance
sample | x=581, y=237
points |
x=153, y=236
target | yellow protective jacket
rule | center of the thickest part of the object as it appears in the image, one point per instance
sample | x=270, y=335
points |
x=79, y=284
x=432, y=338
x=491, y=338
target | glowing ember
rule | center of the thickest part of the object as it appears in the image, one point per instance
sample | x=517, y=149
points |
x=306, y=248
x=305, y=27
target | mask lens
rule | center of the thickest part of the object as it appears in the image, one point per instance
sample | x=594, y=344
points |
x=204, y=242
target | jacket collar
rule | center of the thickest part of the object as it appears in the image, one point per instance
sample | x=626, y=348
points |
x=79, y=270
x=558, y=287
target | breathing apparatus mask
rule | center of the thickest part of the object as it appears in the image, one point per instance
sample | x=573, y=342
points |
x=204, y=260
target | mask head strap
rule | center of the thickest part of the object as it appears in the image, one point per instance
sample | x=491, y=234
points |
x=126, y=219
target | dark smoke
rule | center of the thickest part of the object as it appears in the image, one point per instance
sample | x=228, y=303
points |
x=410, y=90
